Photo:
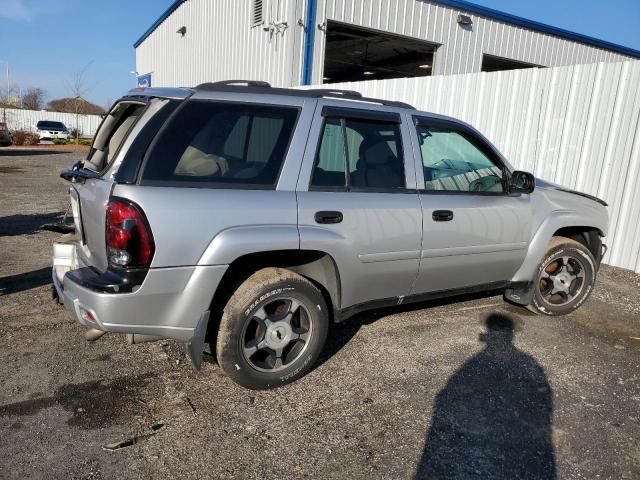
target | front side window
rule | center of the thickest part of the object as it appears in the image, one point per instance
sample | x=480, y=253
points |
x=453, y=162
x=359, y=155
x=225, y=143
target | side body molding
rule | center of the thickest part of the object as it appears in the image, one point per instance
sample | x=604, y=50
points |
x=233, y=243
x=554, y=221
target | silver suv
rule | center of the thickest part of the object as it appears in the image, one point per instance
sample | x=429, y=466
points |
x=251, y=217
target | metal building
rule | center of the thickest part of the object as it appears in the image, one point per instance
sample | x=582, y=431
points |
x=301, y=42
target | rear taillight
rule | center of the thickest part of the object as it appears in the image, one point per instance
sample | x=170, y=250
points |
x=128, y=236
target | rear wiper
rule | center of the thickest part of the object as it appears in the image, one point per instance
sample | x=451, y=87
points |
x=78, y=174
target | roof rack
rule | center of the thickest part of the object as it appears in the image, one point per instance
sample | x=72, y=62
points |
x=237, y=83
x=256, y=86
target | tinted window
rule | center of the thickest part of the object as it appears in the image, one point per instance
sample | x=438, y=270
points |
x=453, y=162
x=374, y=156
x=222, y=143
x=49, y=124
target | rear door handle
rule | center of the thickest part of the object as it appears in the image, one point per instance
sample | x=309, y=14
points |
x=442, y=215
x=328, y=216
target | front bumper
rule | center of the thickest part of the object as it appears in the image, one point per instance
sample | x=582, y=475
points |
x=52, y=134
x=170, y=302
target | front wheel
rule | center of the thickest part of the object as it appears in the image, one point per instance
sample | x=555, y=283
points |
x=565, y=278
x=272, y=329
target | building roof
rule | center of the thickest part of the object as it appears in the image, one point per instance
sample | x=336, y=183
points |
x=472, y=8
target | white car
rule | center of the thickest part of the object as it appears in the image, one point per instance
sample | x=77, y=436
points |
x=48, y=129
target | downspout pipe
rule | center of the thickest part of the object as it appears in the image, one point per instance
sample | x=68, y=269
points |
x=309, y=36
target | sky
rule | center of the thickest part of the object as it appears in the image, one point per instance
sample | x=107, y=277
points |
x=49, y=42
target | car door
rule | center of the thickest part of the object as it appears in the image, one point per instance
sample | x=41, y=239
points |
x=475, y=233
x=357, y=200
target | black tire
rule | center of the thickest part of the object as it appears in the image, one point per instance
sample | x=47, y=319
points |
x=272, y=293
x=578, y=280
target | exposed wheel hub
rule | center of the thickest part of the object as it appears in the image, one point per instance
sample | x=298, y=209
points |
x=561, y=280
x=277, y=334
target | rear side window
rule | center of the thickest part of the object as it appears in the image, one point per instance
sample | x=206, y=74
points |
x=359, y=155
x=222, y=143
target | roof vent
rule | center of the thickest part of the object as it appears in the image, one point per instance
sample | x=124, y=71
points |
x=257, y=17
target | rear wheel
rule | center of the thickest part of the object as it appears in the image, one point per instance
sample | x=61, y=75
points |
x=272, y=330
x=565, y=277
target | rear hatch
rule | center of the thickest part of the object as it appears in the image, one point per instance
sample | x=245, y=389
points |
x=93, y=179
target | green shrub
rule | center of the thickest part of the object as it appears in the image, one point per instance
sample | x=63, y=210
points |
x=83, y=141
x=60, y=141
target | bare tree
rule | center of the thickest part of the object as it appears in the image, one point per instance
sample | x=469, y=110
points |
x=78, y=87
x=33, y=98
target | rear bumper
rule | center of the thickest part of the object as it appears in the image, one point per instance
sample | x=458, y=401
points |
x=171, y=302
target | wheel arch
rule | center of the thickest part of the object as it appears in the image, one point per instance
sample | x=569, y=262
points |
x=558, y=222
x=316, y=266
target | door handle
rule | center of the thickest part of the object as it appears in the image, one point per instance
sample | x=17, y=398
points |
x=442, y=215
x=328, y=216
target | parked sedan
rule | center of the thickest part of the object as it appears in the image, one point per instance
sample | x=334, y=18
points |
x=47, y=129
x=6, y=139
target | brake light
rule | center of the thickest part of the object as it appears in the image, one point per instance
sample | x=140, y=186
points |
x=128, y=236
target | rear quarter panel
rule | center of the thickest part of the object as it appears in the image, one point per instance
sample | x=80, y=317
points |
x=186, y=221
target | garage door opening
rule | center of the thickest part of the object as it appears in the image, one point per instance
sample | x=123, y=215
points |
x=497, y=64
x=354, y=54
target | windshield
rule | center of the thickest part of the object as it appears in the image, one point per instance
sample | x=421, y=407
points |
x=44, y=124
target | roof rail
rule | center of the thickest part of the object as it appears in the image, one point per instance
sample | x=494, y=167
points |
x=256, y=86
x=227, y=83
x=334, y=91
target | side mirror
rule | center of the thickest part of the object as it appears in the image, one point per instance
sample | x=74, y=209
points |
x=522, y=182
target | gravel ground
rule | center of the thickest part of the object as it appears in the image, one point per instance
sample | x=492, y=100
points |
x=468, y=388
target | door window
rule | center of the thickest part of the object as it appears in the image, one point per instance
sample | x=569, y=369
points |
x=452, y=161
x=359, y=155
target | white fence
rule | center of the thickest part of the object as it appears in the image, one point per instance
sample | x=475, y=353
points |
x=27, y=119
x=578, y=126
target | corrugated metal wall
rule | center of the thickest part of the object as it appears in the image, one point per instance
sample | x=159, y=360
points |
x=578, y=126
x=462, y=49
x=220, y=44
x=26, y=120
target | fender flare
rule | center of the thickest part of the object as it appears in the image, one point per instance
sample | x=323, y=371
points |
x=520, y=289
x=230, y=244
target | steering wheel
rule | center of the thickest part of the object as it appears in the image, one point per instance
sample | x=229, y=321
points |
x=485, y=184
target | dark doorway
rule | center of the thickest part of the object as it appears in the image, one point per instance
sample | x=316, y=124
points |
x=355, y=54
x=496, y=64
x=493, y=418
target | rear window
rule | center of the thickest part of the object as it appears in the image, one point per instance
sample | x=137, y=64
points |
x=222, y=143
x=50, y=124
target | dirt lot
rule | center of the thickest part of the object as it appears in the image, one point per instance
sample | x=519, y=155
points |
x=398, y=394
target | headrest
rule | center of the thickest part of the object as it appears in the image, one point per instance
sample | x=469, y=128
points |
x=378, y=153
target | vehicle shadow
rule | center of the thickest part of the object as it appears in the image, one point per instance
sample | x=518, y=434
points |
x=29, y=224
x=493, y=418
x=25, y=281
x=22, y=152
x=341, y=334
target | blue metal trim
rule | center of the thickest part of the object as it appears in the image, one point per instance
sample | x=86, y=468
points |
x=309, y=36
x=540, y=27
x=172, y=8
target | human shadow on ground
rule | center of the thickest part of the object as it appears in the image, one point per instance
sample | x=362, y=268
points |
x=493, y=418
